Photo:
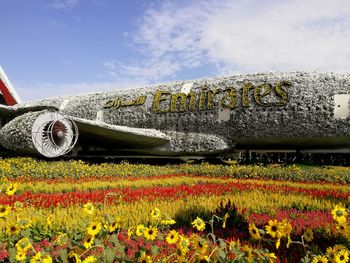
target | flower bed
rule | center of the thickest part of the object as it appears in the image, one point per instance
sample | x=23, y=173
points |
x=58, y=211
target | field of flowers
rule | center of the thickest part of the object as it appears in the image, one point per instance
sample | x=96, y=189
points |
x=78, y=212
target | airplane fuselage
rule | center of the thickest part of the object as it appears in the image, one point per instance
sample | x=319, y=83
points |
x=271, y=111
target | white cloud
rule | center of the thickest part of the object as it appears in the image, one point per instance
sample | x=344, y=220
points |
x=64, y=4
x=242, y=36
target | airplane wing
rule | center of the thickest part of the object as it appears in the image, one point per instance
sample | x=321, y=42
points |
x=121, y=136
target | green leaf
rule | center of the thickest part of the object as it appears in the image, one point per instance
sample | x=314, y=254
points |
x=12, y=252
x=155, y=250
x=110, y=254
x=63, y=255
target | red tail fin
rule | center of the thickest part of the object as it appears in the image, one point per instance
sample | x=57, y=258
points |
x=8, y=94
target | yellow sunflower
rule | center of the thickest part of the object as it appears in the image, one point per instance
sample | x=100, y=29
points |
x=21, y=255
x=308, y=235
x=46, y=258
x=13, y=229
x=287, y=227
x=343, y=228
x=183, y=244
x=73, y=257
x=248, y=253
x=4, y=210
x=168, y=222
x=144, y=258
x=319, y=259
x=155, y=214
x=114, y=225
x=90, y=259
x=172, y=237
x=338, y=247
x=23, y=244
x=271, y=257
x=89, y=208
x=254, y=231
x=89, y=241
x=36, y=258
x=94, y=228
x=330, y=254
x=274, y=229
x=200, y=245
x=342, y=256
x=150, y=233
x=140, y=229
x=339, y=213
x=11, y=189
x=61, y=239
x=199, y=224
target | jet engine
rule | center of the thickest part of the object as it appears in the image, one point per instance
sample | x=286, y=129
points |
x=46, y=133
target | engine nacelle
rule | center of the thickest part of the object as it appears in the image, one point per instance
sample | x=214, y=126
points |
x=47, y=133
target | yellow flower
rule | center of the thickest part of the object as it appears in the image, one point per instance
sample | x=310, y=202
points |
x=343, y=228
x=339, y=213
x=46, y=258
x=203, y=259
x=150, y=233
x=274, y=229
x=36, y=258
x=254, y=231
x=94, y=228
x=155, y=214
x=172, y=237
x=168, y=222
x=21, y=255
x=89, y=208
x=337, y=248
x=140, y=229
x=234, y=244
x=49, y=220
x=308, y=235
x=144, y=258
x=319, y=259
x=200, y=245
x=226, y=216
x=114, y=225
x=24, y=244
x=61, y=239
x=89, y=241
x=4, y=210
x=287, y=227
x=18, y=206
x=130, y=232
x=248, y=253
x=342, y=256
x=183, y=244
x=330, y=253
x=90, y=259
x=11, y=189
x=199, y=224
x=24, y=223
x=13, y=229
x=73, y=257
x=271, y=257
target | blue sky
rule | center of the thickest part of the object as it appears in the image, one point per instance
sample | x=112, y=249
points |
x=59, y=47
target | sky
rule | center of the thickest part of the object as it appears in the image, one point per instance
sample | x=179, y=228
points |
x=52, y=48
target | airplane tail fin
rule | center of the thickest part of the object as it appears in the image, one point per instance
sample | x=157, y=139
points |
x=8, y=95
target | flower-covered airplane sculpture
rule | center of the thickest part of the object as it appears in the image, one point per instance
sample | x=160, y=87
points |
x=189, y=119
